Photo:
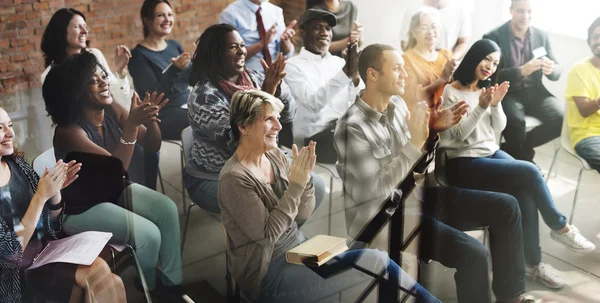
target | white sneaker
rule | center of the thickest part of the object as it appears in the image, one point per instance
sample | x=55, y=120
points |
x=573, y=240
x=545, y=274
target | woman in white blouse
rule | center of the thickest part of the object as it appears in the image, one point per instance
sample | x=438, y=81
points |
x=67, y=34
x=475, y=160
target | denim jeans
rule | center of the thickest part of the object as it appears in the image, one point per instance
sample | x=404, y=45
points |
x=150, y=224
x=204, y=192
x=501, y=173
x=589, y=150
x=447, y=212
x=289, y=283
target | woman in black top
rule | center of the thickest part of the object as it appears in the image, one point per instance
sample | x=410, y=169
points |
x=163, y=66
x=31, y=208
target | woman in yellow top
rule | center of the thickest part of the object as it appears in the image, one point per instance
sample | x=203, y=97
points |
x=429, y=69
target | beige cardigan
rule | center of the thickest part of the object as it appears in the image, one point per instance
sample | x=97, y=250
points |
x=255, y=218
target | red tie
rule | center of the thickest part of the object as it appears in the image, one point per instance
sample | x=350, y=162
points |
x=261, y=33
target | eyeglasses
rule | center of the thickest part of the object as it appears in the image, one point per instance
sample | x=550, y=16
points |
x=425, y=28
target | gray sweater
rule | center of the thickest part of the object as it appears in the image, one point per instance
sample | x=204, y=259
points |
x=476, y=135
x=255, y=219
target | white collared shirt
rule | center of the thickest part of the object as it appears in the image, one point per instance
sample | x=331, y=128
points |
x=323, y=92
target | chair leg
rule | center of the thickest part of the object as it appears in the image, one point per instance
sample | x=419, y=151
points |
x=185, y=229
x=162, y=185
x=575, y=197
x=330, y=204
x=183, y=199
x=552, y=165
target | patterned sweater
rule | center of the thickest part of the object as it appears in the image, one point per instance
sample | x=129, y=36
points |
x=208, y=113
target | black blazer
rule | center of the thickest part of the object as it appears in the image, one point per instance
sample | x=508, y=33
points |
x=537, y=38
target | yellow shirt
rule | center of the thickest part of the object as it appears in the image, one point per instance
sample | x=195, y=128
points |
x=583, y=81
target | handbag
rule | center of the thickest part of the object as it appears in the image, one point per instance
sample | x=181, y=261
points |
x=101, y=179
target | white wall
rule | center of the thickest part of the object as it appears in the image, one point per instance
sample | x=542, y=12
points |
x=382, y=20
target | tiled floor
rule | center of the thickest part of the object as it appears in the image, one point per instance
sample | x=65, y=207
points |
x=204, y=260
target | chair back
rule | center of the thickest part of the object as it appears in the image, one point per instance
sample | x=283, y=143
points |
x=187, y=138
x=440, y=167
x=46, y=158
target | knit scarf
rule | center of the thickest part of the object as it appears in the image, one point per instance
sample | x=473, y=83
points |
x=244, y=83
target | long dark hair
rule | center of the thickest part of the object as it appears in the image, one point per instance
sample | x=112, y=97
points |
x=208, y=58
x=465, y=73
x=67, y=86
x=54, y=39
x=147, y=13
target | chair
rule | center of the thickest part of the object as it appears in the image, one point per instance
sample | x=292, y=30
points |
x=332, y=174
x=180, y=144
x=186, y=145
x=565, y=144
x=442, y=179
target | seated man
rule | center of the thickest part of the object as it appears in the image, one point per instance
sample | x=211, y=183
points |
x=583, y=101
x=377, y=146
x=526, y=57
x=261, y=25
x=323, y=85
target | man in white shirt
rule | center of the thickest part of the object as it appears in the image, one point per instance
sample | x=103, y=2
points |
x=455, y=30
x=323, y=85
x=261, y=25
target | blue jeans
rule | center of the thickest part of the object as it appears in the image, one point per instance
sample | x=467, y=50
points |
x=291, y=283
x=204, y=192
x=589, y=150
x=502, y=173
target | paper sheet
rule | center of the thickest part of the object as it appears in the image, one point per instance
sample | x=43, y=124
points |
x=81, y=248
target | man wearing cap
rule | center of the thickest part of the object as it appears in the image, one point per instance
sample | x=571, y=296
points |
x=323, y=85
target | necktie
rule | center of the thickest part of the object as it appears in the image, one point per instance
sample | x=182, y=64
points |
x=261, y=33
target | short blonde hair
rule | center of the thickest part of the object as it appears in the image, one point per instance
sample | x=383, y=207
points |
x=415, y=20
x=247, y=105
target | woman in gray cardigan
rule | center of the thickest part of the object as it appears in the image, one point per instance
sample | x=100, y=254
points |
x=263, y=197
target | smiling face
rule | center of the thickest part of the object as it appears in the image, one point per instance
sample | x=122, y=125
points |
x=162, y=23
x=426, y=33
x=234, y=60
x=6, y=134
x=521, y=14
x=391, y=78
x=263, y=132
x=317, y=36
x=594, y=42
x=77, y=34
x=99, y=90
x=487, y=67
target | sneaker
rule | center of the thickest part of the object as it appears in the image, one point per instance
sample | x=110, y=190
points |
x=545, y=274
x=573, y=240
x=529, y=299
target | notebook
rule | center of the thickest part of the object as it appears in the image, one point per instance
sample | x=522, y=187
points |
x=316, y=251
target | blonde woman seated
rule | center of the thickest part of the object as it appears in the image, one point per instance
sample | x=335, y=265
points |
x=262, y=197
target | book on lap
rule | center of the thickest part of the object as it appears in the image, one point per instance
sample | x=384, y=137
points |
x=316, y=251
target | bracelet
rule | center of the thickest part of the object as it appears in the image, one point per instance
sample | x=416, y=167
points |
x=56, y=206
x=127, y=143
x=597, y=102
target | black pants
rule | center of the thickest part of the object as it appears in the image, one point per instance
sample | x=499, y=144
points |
x=325, y=150
x=173, y=121
x=536, y=102
x=448, y=212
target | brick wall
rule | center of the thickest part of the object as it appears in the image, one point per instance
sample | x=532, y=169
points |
x=111, y=22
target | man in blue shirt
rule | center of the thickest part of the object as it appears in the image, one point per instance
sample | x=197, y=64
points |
x=262, y=42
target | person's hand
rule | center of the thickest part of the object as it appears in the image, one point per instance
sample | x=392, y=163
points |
x=487, y=94
x=442, y=119
x=531, y=67
x=274, y=73
x=270, y=34
x=418, y=124
x=499, y=93
x=142, y=112
x=356, y=32
x=547, y=66
x=156, y=99
x=122, y=56
x=182, y=61
x=303, y=163
x=289, y=32
x=351, y=66
x=448, y=69
x=72, y=169
x=52, y=180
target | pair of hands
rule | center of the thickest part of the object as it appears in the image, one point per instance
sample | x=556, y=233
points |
x=543, y=63
x=422, y=119
x=274, y=73
x=356, y=32
x=286, y=37
x=122, y=56
x=143, y=112
x=57, y=178
x=303, y=163
x=493, y=95
x=351, y=57
x=182, y=61
x=449, y=68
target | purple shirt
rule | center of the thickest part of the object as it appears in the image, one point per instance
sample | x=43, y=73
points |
x=521, y=54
